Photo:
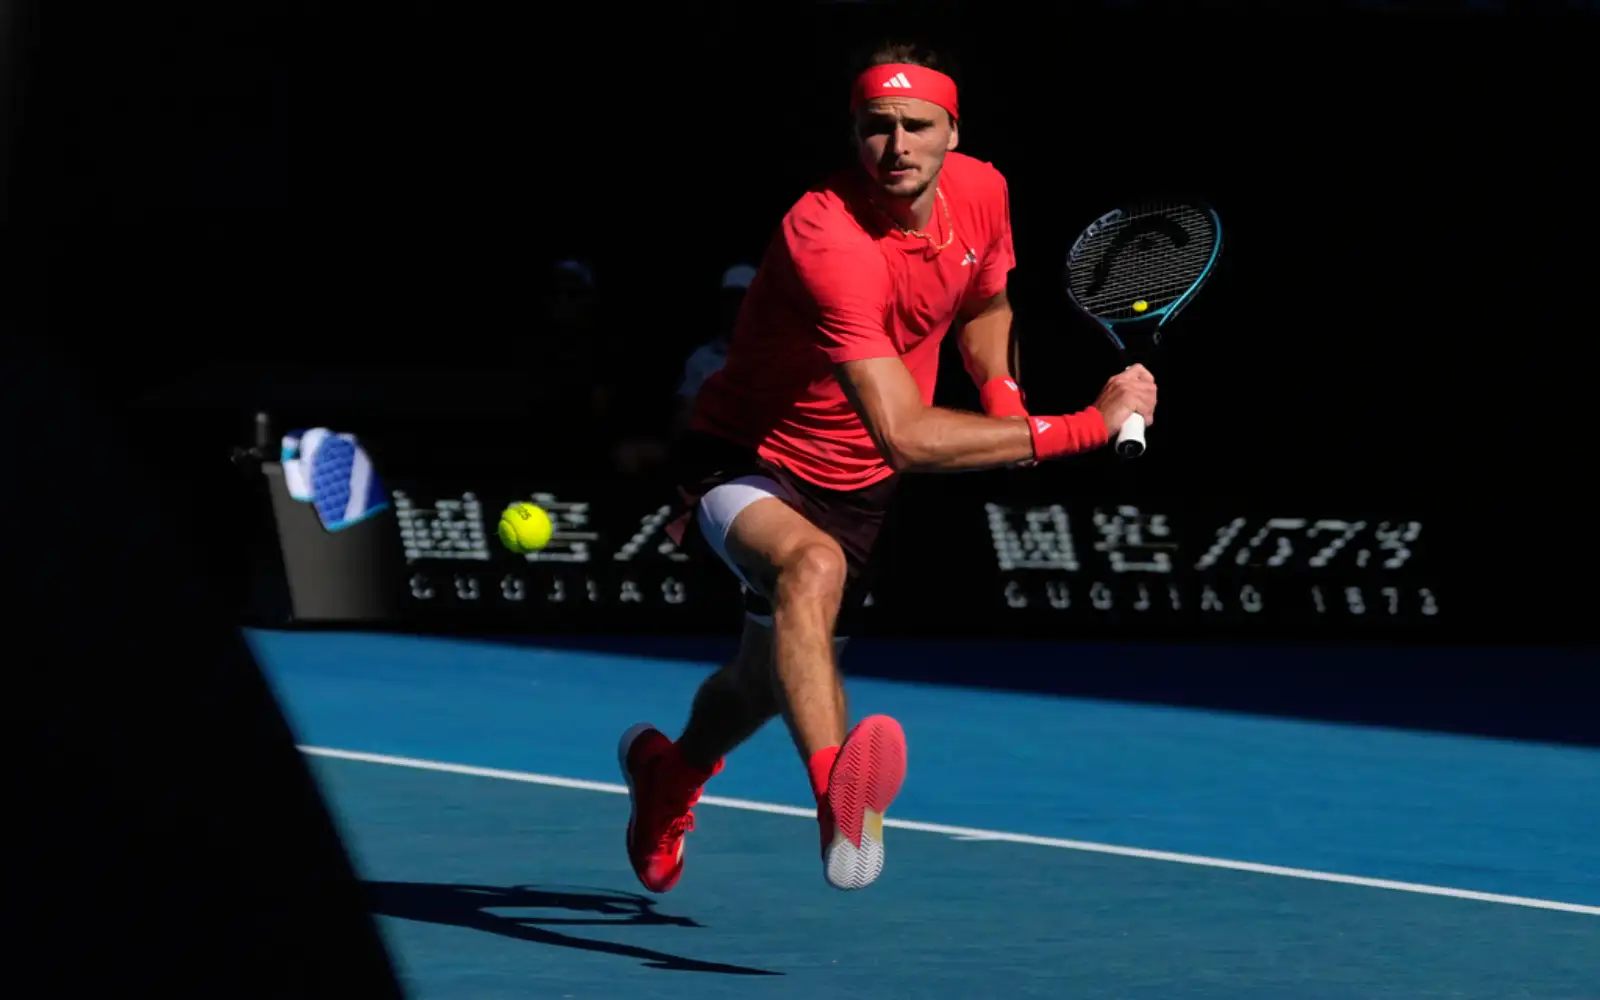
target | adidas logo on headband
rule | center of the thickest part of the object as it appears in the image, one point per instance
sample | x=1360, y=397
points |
x=898, y=80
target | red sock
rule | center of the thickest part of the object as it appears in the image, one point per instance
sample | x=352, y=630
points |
x=819, y=766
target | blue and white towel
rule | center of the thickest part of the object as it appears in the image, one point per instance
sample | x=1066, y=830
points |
x=332, y=472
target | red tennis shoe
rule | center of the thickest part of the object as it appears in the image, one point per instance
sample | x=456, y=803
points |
x=865, y=778
x=662, y=791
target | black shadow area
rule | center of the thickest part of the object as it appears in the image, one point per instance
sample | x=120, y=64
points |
x=470, y=906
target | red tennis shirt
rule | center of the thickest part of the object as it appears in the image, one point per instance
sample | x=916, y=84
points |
x=839, y=282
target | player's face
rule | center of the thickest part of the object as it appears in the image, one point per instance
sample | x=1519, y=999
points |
x=902, y=142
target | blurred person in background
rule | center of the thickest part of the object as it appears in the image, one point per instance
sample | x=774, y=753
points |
x=570, y=380
x=560, y=378
x=582, y=369
x=568, y=340
x=713, y=354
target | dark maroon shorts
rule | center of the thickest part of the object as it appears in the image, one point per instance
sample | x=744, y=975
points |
x=853, y=518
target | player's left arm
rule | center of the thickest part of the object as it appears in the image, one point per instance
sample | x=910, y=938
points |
x=986, y=339
x=986, y=318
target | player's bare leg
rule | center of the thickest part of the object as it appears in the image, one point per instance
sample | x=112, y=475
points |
x=855, y=774
x=789, y=667
x=733, y=703
x=665, y=778
x=802, y=572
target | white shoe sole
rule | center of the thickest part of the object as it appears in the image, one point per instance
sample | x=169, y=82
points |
x=867, y=776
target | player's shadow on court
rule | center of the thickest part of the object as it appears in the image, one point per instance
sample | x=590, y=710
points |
x=471, y=906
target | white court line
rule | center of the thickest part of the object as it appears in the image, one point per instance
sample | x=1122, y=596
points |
x=969, y=834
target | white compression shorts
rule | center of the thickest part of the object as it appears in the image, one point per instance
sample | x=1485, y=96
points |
x=717, y=510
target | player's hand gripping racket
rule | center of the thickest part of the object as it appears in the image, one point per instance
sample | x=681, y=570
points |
x=1132, y=270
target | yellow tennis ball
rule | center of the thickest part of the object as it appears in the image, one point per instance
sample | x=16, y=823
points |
x=524, y=528
x=1140, y=306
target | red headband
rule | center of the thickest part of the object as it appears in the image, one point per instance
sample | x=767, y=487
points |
x=905, y=80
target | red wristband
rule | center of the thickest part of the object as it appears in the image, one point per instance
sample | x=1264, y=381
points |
x=1054, y=437
x=1002, y=397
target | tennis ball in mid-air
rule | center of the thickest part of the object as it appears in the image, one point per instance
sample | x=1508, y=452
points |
x=1140, y=306
x=524, y=528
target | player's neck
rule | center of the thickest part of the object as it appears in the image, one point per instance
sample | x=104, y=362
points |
x=913, y=213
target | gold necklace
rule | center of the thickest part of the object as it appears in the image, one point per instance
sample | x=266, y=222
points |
x=949, y=230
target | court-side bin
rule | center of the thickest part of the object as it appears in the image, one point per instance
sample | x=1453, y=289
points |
x=352, y=575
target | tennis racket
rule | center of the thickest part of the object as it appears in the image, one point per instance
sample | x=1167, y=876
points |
x=1133, y=270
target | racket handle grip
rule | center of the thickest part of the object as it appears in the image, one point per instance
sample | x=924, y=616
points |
x=1130, y=439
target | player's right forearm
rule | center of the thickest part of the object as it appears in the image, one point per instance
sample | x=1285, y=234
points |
x=941, y=440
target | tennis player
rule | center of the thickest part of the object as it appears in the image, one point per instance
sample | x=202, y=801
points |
x=796, y=445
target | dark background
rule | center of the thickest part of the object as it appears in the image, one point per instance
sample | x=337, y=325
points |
x=349, y=219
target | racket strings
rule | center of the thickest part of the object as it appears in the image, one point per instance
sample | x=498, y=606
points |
x=1156, y=278
x=1157, y=274
x=1162, y=271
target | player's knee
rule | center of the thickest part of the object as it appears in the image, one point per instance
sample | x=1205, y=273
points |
x=813, y=570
